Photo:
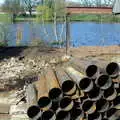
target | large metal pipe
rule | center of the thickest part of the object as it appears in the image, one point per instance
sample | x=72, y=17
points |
x=111, y=114
x=86, y=84
x=63, y=115
x=87, y=67
x=88, y=106
x=74, y=74
x=110, y=93
x=34, y=112
x=94, y=116
x=55, y=94
x=68, y=86
x=113, y=69
x=102, y=105
x=45, y=103
x=116, y=102
x=77, y=114
x=66, y=104
x=103, y=81
x=48, y=115
x=95, y=93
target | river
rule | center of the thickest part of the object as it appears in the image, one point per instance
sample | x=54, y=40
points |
x=81, y=33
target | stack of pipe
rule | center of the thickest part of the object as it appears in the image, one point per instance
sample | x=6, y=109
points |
x=68, y=94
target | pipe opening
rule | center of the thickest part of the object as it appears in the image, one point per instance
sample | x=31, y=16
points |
x=116, y=101
x=55, y=93
x=61, y=115
x=102, y=80
x=33, y=111
x=112, y=68
x=84, y=83
x=65, y=102
x=43, y=102
x=91, y=70
x=87, y=105
x=47, y=115
x=101, y=104
x=111, y=112
x=109, y=92
x=67, y=86
x=94, y=116
x=95, y=92
x=76, y=112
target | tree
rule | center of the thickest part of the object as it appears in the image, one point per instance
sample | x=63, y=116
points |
x=12, y=7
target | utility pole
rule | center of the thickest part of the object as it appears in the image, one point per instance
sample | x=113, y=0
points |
x=67, y=33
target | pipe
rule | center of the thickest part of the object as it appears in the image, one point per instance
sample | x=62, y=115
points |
x=74, y=74
x=95, y=94
x=95, y=116
x=66, y=104
x=34, y=112
x=116, y=102
x=51, y=79
x=92, y=71
x=103, y=81
x=55, y=94
x=48, y=115
x=63, y=115
x=110, y=93
x=102, y=105
x=77, y=114
x=41, y=86
x=55, y=106
x=113, y=69
x=88, y=106
x=44, y=103
x=110, y=114
x=87, y=67
x=86, y=84
x=68, y=86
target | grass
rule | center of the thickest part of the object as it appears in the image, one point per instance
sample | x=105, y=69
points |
x=5, y=18
x=95, y=17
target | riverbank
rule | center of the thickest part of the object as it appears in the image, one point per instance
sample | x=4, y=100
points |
x=74, y=17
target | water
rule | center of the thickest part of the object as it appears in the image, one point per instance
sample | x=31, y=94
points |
x=82, y=33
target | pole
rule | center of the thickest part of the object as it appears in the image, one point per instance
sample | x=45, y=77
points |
x=67, y=33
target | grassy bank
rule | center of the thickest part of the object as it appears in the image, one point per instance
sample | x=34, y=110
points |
x=95, y=17
x=5, y=18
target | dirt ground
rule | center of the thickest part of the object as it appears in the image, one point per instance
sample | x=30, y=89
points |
x=84, y=51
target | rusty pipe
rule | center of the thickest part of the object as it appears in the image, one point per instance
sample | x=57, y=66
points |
x=44, y=103
x=103, y=81
x=95, y=93
x=94, y=116
x=66, y=104
x=110, y=114
x=110, y=93
x=116, y=102
x=113, y=69
x=88, y=106
x=55, y=94
x=90, y=68
x=48, y=115
x=102, y=105
x=68, y=86
x=34, y=112
x=62, y=115
x=86, y=84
